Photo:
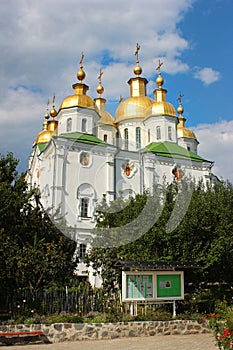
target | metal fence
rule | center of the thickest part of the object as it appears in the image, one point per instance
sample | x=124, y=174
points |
x=44, y=302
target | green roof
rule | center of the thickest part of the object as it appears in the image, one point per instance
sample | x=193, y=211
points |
x=42, y=146
x=172, y=150
x=84, y=138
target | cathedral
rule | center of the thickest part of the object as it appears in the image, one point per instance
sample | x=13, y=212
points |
x=83, y=154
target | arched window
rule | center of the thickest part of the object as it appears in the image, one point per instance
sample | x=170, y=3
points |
x=86, y=197
x=69, y=124
x=148, y=135
x=138, y=137
x=158, y=133
x=126, y=139
x=169, y=130
x=105, y=137
x=84, y=125
x=84, y=207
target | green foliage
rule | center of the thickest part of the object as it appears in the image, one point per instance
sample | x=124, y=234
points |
x=204, y=234
x=223, y=328
x=33, y=253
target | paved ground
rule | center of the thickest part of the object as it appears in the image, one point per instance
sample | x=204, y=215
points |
x=169, y=342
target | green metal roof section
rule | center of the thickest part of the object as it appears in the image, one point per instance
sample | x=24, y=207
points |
x=172, y=150
x=84, y=138
x=42, y=146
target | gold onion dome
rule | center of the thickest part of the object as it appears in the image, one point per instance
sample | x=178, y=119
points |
x=137, y=104
x=105, y=117
x=80, y=98
x=160, y=106
x=182, y=131
x=45, y=135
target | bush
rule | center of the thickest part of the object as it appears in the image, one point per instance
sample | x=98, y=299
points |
x=222, y=325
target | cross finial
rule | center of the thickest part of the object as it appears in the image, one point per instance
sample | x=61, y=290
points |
x=100, y=76
x=136, y=52
x=81, y=60
x=159, y=66
x=180, y=97
x=53, y=99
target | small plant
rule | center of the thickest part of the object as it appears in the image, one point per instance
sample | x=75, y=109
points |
x=222, y=325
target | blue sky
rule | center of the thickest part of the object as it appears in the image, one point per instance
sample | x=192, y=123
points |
x=41, y=44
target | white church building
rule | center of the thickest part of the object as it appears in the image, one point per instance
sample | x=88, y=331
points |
x=84, y=154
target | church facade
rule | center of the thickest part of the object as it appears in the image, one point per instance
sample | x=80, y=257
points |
x=84, y=154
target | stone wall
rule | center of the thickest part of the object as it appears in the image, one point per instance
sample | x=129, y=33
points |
x=60, y=332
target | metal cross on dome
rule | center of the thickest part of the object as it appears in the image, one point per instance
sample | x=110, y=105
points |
x=180, y=97
x=159, y=66
x=136, y=52
x=100, y=76
x=81, y=60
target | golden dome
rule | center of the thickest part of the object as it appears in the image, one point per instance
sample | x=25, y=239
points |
x=185, y=132
x=182, y=131
x=137, y=104
x=106, y=118
x=45, y=135
x=133, y=107
x=160, y=106
x=79, y=99
x=52, y=126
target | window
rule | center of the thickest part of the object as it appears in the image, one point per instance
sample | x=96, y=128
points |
x=82, y=250
x=158, y=132
x=105, y=138
x=169, y=129
x=188, y=148
x=84, y=207
x=69, y=124
x=117, y=139
x=148, y=135
x=84, y=125
x=126, y=138
x=138, y=137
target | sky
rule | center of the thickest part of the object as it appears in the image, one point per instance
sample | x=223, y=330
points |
x=41, y=44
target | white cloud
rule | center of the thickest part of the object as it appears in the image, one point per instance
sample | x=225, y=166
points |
x=207, y=75
x=216, y=144
x=41, y=43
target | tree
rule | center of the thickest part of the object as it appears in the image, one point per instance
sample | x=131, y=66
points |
x=204, y=235
x=34, y=254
